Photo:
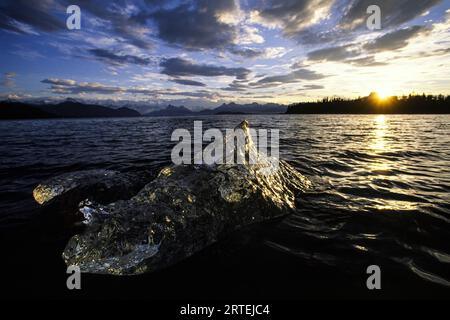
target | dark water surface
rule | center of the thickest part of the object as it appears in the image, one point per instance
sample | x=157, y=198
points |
x=381, y=196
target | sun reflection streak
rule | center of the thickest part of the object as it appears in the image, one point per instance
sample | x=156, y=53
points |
x=381, y=120
x=380, y=167
x=379, y=143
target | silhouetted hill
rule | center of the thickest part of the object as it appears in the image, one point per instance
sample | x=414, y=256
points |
x=19, y=110
x=70, y=109
x=171, y=111
x=226, y=108
x=66, y=109
x=412, y=104
x=126, y=112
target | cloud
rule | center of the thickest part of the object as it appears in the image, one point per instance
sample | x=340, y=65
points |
x=197, y=25
x=344, y=54
x=346, y=19
x=14, y=96
x=118, y=60
x=298, y=65
x=204, y=94
x=121, y=19
x=188, y=82
x=156, y=2
x=396, y=39
x=292, y=15
x=62, y=82
x=16, y=15
x=313, y=87
x=26, y=53
x=393, y=13
x=317, y=35
x=275, y=52
x=352, y=54
x=338, y=53
x=292, y=77
x=8, y=79
x=235, y=38
x=267, y=53
x=248, y=35
x=368, y=61
x=247, y=52
x=236, y=86
x=68, y=86
x=178, y=67
x=439, y=52
x=116, y=17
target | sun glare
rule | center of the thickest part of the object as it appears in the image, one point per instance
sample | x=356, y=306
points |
x=384, y=93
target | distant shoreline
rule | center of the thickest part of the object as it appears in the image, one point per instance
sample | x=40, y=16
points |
x=371, y=105
x=221, y=115
x=368, y=114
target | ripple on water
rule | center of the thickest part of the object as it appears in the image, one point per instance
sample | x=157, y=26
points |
x=382, y=184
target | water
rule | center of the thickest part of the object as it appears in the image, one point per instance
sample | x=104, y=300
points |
x=381, y=196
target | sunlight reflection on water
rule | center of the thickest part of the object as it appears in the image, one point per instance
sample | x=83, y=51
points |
x=381, y=126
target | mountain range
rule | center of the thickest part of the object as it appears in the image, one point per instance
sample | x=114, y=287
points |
x=66, y=109
x=71, y=108
x=226, y=108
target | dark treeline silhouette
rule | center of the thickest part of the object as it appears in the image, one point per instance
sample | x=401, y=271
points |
x=10, y=110
x=412, y=104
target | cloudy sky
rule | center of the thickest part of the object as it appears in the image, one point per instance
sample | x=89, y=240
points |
x=205, y=52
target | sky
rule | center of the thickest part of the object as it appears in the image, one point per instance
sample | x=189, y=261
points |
x=206, y=52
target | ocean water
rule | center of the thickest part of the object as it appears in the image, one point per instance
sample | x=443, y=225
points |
x=381, y=196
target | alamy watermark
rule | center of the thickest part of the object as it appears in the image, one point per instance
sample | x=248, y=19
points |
x=374, y=280
x=236, y=146
x=374, y=20
x=74, y=280
x=73, y=22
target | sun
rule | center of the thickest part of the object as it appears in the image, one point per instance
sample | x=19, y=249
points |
x=384, y=93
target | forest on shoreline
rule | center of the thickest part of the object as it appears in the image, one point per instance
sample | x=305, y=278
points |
x=373, y=104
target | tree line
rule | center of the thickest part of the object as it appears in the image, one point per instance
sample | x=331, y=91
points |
x=373, y=104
